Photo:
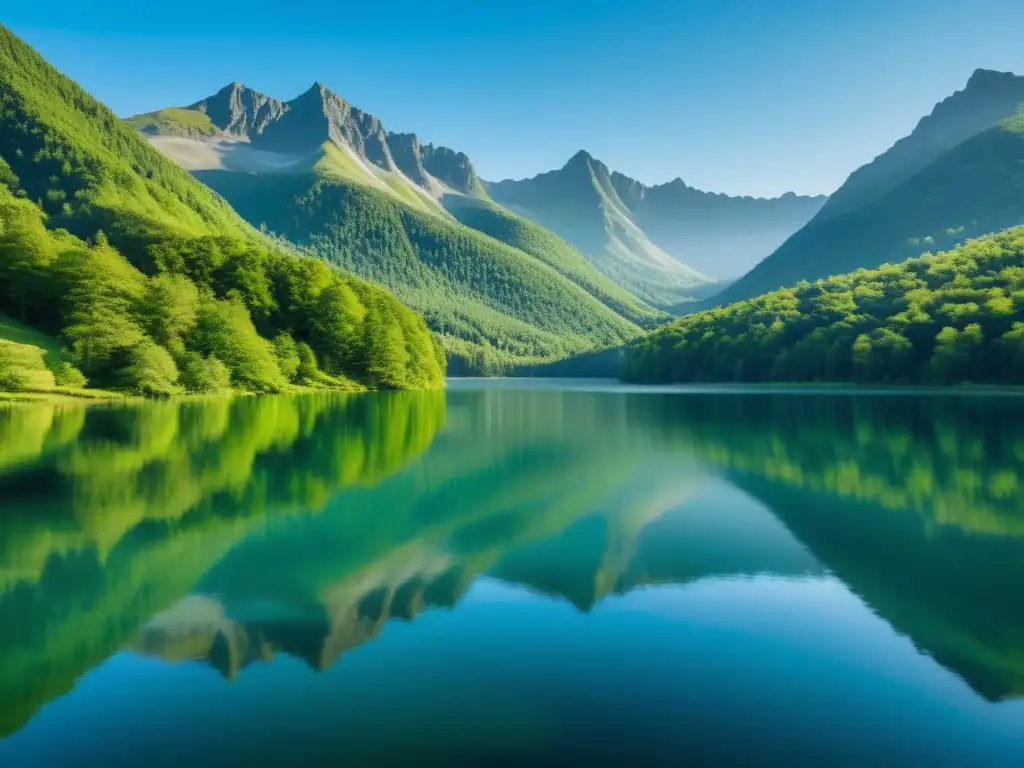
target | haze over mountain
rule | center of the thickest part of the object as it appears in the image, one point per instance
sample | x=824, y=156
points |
x=723, y=236
x=959, y=174
x=602, y=216
x=635, y=232
x=579, y=203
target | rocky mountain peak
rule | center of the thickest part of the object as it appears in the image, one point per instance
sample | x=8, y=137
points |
x=583, y=160
x=986, y=78
x=451, y=168
x=988, y=98
x=241, y=111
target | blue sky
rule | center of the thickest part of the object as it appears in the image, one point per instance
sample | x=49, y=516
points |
x=738, y=96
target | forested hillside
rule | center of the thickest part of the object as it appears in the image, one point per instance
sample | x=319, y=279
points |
x=945, y=318
x=501, y=224
x=493, y=305
x=328, y=177
x=150, y=279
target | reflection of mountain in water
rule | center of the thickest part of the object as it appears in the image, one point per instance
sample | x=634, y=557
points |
x=632, y=537
x=111, y=514
x=956, y=595
x=181, y=540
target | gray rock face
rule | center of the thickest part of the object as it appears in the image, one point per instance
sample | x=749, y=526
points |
x=407, y=154
x=241, y=111
x=452, y=168
x=319, y=115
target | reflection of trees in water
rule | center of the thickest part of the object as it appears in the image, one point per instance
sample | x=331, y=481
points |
x=955, y=460
x=914, y=502
x=955, y=593
x=112, y=514
x=117, y=518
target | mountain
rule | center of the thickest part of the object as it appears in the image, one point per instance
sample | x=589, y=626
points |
x=720, y=235
x=661, y=241
x=987, y=99
x=948, y=318
x=959, y=174
x=579, y=203
x=152, y=281
x=328, y=177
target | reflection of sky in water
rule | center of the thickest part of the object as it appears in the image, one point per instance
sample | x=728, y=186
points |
x=648, y=577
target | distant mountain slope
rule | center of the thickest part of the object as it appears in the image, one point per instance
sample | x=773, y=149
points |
x=987, y=98
x=291, y=165
x=960, y=174
x=720, y=235
x=519, y=232
x=579, y=203
x=659, y=242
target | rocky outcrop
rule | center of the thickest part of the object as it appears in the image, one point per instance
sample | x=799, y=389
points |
x=241, y=112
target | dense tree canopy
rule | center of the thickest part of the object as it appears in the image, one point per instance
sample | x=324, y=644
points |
x=492, y=305
x=946, y=318
x=152, y=281
x=521, y=233
x=214, y=312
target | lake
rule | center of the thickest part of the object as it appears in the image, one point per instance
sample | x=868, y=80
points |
x=515, y=572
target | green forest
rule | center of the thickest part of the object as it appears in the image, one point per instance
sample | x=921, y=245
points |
x=944, y=318
x=113, y=514
x=151, y=282
x=491, y=304
x=521, y=233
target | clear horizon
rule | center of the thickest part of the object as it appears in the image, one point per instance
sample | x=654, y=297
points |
x=730, y=96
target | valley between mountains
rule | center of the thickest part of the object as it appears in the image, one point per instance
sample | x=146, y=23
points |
x=507, y=272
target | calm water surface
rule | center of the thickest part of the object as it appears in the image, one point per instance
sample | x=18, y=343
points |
x=515, y=573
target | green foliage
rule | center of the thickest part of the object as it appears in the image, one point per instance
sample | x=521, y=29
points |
x=91, y=170
x=151, y=371
x=66, y=375
x=503, y=225
x=204, y=375
x=952, y=317
x=225, y=331
x=143, y=271
x=306, y=372
x=22, y=368
x=287, y=353
x=472, y=290
x=13, y=373
x=176, y=121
